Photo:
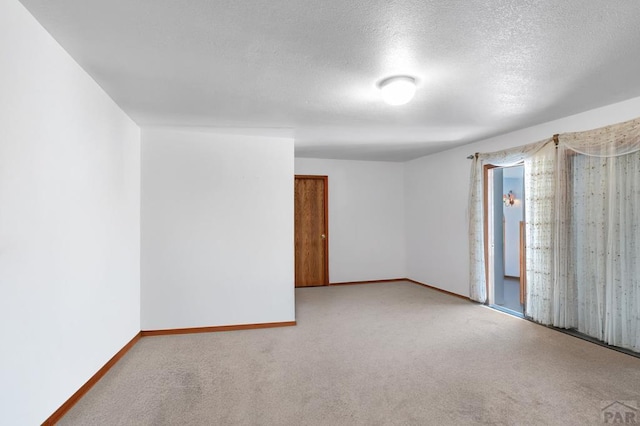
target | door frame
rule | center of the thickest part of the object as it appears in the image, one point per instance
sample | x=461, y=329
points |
x=485, y=205
x=325, y=180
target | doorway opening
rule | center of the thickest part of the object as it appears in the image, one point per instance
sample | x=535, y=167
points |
x=505, y=239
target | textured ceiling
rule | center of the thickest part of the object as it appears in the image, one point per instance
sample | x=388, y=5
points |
x=311, y=67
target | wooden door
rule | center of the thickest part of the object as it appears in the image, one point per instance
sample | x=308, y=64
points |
x=311, y=226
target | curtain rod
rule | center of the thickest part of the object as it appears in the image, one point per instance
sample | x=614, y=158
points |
x=556, y=140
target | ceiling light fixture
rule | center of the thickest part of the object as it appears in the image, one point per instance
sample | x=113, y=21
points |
x=398, y=90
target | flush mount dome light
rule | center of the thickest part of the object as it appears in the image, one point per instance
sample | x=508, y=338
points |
x=398, y=90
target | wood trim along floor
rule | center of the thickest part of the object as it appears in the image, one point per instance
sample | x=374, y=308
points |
x=437, y=289
x=69, y=403
x=370, y=282
x=214, y=329
x=403, y=279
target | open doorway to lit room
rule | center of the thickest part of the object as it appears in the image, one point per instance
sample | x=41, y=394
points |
x=505, y=238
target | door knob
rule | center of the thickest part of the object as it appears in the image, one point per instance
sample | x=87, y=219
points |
x=324, y=237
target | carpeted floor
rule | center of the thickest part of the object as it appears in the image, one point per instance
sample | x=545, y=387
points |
x=376, y=354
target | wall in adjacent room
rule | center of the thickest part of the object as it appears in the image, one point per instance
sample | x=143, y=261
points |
x=513, y=214
x=217, y=229
x=437, y=191
x=366, y=218
x=69, y=223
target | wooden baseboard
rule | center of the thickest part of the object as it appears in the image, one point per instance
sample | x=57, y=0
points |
x=64, y=408
x=215, y=329
x=69, y=403
x=403, y=279
x=370, y=282
x=437, y=289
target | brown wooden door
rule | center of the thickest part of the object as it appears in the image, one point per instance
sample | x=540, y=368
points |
x=311, y=236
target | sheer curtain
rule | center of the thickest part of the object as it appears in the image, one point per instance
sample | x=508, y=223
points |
x=583, y=234
x=582, y=201
x=506, y=158
x=601, y=236
x=540, y=174
x=622, y=289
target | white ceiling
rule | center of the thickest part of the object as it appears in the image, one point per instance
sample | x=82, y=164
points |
x=311, y=66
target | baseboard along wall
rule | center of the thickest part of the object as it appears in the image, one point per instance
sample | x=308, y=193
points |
x=438, y=289
x=215, y=329
x=369, y=282
x=402, y=279
x=68, y=404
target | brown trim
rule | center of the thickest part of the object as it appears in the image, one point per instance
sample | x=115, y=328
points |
x=523, y=269
x=69, y=403
x=146, y=333
x=326, y=229
x=438, y=289
x=485, y=219
x=325, y=178
x=311, y=176
x=401, y=280
x=370, y=282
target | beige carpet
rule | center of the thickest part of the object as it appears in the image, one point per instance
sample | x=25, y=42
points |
x=375, y=354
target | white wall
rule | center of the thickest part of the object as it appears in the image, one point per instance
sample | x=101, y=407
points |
x=513, y=180
x=217, y=229
x=366, y=218
x=69, y=223
x=437, y=189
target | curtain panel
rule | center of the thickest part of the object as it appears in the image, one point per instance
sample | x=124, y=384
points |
x=506, y=158
x=599, y=234
x=582, y=211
